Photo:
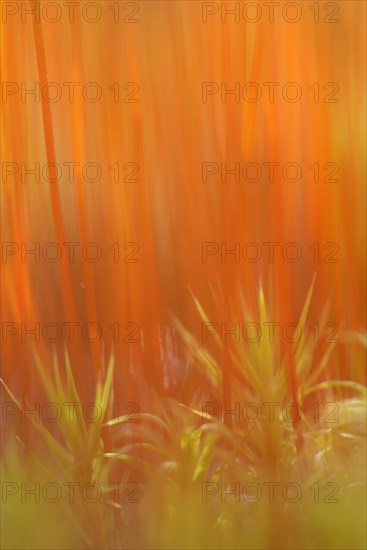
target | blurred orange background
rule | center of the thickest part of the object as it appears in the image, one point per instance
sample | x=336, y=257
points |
x=169, y=212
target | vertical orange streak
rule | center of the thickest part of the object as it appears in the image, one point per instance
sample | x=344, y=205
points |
x=51, y=157
x=88, y=273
